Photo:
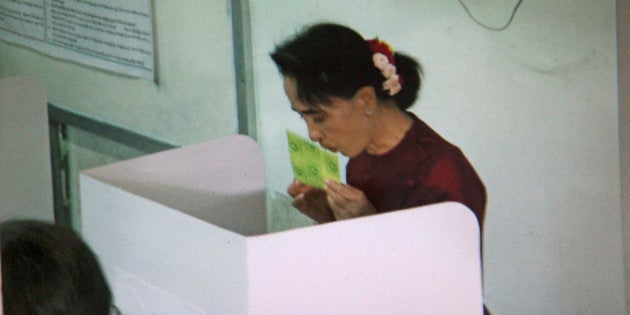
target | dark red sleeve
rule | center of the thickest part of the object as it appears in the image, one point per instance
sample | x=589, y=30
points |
x=452, y=178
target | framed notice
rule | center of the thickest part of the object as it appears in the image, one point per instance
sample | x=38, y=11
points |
x=114, y=35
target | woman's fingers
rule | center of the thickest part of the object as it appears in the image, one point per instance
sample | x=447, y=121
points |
x=297, y=188
x=298, y=201
x=337, y=200
x=341, y=192
x=346, y=201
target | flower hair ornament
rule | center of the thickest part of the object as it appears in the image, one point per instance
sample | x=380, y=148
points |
x=383, y=57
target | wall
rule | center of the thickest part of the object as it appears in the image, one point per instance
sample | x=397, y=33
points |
x=192, y=100
x=623, y=36
x=194, y=96
x=534, y=107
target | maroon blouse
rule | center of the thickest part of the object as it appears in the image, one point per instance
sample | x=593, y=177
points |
x=422, y=169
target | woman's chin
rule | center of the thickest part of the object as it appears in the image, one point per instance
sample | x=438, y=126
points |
x=341, y=151
x=348, y=154
x=331, y=149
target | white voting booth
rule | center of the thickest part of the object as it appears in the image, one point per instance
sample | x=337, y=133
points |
x=184, y=232
x=25, y=174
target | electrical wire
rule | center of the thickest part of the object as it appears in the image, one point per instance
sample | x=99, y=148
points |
x=507, y=24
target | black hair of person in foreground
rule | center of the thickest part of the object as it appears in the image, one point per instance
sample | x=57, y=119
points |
x=49, y=269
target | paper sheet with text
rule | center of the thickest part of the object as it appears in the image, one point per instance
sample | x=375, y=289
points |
x=115, y=35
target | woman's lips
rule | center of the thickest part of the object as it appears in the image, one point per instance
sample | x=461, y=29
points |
x=327, y=147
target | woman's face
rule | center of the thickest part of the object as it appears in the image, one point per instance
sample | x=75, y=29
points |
x=342, y=126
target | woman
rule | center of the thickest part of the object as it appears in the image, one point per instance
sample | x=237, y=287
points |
x=48, y=269
x=354, y=95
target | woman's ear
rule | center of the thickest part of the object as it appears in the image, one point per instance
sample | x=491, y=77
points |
x=366, y=98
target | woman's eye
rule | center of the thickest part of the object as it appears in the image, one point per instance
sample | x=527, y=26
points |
x=315, y=118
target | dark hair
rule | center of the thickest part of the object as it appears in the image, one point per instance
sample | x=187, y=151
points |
x=48, y=269
x=333, y=60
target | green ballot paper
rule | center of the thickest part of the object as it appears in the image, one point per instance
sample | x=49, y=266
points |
x=312, y=164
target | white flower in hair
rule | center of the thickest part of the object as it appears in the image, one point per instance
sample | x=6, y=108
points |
x=383, y=58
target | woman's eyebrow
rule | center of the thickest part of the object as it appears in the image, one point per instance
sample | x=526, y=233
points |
x=310, y=111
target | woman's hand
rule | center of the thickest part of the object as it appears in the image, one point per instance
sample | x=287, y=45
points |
x=346, y=201
x=311, y=202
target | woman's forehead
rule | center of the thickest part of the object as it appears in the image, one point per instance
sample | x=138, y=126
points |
x=301, y=106
x=306, y=109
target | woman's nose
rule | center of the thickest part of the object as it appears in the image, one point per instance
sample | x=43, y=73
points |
x=314, y=132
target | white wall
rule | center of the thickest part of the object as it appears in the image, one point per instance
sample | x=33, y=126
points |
x=533, y=107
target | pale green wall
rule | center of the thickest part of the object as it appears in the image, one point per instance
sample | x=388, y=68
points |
x=192, y=100
x=623, y=35
x=194, y=97
x=533, y=107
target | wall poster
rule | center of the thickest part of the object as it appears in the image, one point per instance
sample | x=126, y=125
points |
x=115, y=35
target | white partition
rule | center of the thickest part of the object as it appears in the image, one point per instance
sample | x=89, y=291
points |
x=183, y=232
x=25, y=175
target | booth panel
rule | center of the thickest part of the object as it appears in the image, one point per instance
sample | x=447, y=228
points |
x=417, y=261
x=159, y=260
x=26, y=185
x=219, y=181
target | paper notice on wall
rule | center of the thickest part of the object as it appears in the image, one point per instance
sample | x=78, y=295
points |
x=114, y=35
